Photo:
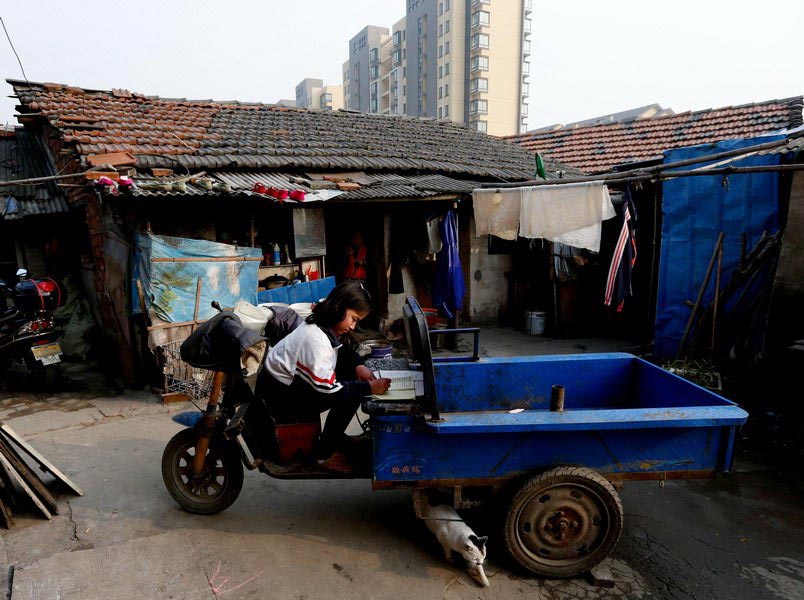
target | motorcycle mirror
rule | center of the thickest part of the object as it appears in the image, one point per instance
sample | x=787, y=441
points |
x=22, y=272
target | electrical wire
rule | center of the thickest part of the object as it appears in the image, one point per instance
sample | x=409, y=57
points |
x=19, y=60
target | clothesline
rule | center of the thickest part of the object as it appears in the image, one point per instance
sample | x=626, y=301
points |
x=647, y=176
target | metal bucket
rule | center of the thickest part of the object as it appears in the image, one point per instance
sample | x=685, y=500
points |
x=535, y=321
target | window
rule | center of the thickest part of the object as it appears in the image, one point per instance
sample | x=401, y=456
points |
x=446, y=48
x=478, y=107
x=481, y=126
x=440, y=92
x=480, y=63
x=446, y=110
x=440, y=30
x=397, y=57
x=481, y=17
x=446, y=5
x=440, y=72
x=526, y=46
x=440, y=51
x=527, y=24
x=373, y=71
x=525, y=88
x=446, y=26
x=480, y=40
x=440, y=8
x=440, y=113
x=446, y=90
x=479, y=84
x=524, y=111
x=446, y=69
x=526, y=67
x=397, y=38
x=325, y=98
x=374, y=54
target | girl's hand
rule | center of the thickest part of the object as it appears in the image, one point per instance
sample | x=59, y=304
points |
x=363, y=373
x=380, y=386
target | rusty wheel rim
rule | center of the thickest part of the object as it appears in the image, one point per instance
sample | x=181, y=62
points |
x=210, y=484
x=562, y=524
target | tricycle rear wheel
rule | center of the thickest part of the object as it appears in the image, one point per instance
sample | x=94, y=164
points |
x=216, y=488
x=562, y=522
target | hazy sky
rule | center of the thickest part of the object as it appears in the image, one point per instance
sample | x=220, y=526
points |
x=589, y=58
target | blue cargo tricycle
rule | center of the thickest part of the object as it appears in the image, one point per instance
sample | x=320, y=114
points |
x=483, y=429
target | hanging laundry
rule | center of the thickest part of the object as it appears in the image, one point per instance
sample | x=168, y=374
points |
x=496, y=213
x=448, y=285
x=433, y=235
x=618, y=283
x=570, y=214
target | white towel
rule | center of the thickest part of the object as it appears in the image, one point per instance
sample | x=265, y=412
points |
x=570, y=214
x=496, y=213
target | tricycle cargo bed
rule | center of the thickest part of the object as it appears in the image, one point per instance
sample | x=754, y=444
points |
x=623, y=417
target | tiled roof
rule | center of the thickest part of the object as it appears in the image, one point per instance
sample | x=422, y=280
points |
x=209, y=135
x=22, y=157
x=598, y=148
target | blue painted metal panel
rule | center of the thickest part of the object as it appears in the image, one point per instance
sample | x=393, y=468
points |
x=407, y=450
x=694, y=212
x=582, y=420
x=308, y=291
x=622, y=414
x=591, y=380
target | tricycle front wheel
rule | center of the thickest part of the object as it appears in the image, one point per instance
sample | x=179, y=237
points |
x=563, y=522
x=213, y=490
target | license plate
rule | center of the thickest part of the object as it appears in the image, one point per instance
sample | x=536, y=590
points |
x=47, y=354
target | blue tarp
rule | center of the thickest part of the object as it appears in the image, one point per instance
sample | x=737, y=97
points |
x=171, y=286
x=308, y=291
x=694, y=212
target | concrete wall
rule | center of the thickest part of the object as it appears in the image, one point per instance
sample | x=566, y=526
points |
x=487, y=281
x=787, y=315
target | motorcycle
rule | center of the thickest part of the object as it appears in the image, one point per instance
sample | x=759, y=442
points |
x=202, y=465
x=28, y=337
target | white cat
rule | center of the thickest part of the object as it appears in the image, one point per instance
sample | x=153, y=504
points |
x=456, y=536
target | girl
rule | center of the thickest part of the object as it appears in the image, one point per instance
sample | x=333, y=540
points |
x=313, y=370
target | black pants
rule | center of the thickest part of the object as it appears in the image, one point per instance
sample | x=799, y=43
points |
x=299, y=403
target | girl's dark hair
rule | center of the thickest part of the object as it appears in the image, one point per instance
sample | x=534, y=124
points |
x=332, y=310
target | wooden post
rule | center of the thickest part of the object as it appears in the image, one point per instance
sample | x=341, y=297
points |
x=252, y=232
x=197, y=304
x=717, y=293
x=683, y=343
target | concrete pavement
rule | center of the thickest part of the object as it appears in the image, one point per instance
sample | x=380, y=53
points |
x=741, y=537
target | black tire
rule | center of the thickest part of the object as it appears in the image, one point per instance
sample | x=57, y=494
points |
x=562, y=522
x=213, y=492
x=44, y=377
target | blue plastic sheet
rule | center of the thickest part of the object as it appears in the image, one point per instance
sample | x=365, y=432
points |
x=448, y=286
x=308, y=291
x=171, y=286
x=694, y=212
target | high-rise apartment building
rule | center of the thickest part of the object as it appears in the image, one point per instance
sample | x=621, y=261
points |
x=364, y=69
x=312, y=93
x=459, y=60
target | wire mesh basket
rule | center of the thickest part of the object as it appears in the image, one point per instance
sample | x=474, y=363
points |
x=181, y=377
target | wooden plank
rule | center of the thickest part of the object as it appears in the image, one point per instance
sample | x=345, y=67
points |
x=34, y=498
x=8, y=491
x=172, y=397
x=209, y=259
x=197, y=304
x=29, y=476
x=5, y=515
x=45, y=463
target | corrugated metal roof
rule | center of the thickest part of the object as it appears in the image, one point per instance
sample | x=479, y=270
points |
x=374, y=185
x=22, y=156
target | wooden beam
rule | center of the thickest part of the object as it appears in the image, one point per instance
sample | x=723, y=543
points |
x=44, y=463
x=21, y=482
